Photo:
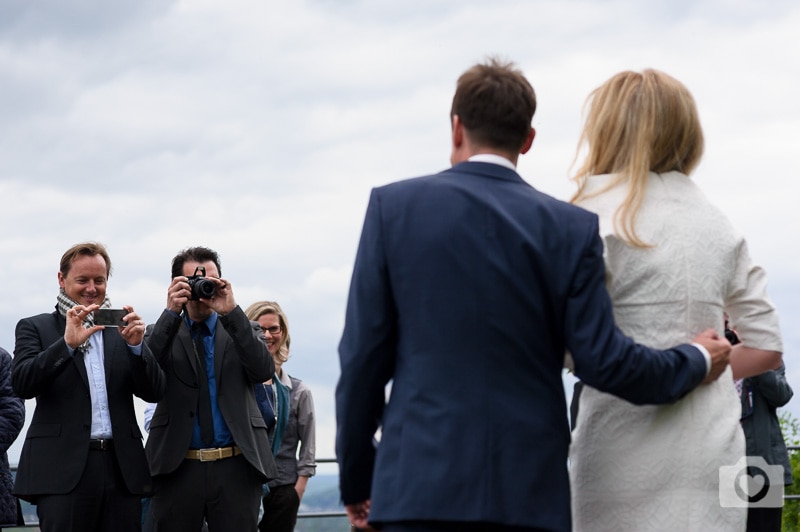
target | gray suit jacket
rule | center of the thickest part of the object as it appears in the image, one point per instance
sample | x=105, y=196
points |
x=761, y=396
x=241, y=359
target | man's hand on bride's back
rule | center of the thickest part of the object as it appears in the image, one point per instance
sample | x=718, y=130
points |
x=719, y=348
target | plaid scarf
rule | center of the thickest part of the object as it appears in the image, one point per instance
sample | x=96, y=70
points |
x=65, y=303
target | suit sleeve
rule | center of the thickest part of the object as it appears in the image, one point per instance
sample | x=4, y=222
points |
x=149, y=380
x=250, y=346
x=367, y=355
x=158, y=337
x=772, y=385
x=36, y=366
x=608, y=360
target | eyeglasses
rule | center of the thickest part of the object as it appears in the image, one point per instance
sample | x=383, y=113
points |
x=275, y=329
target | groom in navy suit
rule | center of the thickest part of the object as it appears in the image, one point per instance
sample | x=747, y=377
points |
x=468, y=288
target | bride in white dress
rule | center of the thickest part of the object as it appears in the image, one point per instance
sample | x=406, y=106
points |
x=674, y=264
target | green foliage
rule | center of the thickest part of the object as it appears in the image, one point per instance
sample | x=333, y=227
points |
x=790, y=427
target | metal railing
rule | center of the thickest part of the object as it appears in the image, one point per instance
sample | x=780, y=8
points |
x=792, y=497
x=315, y=515
x=341, y=513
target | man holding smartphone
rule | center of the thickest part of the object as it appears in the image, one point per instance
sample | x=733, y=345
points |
x=82, y=462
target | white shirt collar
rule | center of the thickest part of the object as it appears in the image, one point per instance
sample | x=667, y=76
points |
x=493, y=159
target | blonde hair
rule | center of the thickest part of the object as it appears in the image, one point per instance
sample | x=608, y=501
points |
x=260, y=308
x=638, y=123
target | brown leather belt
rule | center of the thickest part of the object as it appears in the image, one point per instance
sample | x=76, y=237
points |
x=212, y=455
x=101, y=445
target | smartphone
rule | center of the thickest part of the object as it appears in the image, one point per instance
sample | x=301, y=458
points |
x=110, y=317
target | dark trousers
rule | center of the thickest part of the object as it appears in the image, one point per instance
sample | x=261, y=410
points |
x=280, y=509
x=764, y=519
x=454, y=526
x=226, y=492
x=99, y=503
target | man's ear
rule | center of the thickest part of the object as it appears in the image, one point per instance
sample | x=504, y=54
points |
x=457, y=132
x=528, y=141
x=458, y=153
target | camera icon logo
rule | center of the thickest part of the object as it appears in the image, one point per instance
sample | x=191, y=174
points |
x=751, y=483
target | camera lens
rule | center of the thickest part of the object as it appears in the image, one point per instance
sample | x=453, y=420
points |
x=203, y=288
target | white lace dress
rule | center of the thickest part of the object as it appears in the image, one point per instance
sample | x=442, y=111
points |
x=656, y=468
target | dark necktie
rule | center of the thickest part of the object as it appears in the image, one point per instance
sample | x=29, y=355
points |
x=200, y=331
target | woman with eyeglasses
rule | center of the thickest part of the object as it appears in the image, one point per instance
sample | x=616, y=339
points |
x=289, y=400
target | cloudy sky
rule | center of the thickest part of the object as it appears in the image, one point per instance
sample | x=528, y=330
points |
x=259, y=128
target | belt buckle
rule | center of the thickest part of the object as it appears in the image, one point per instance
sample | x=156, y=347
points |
x=210, y=455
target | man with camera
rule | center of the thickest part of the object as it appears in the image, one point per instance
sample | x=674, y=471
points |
x=208, y=447
x=82, y=462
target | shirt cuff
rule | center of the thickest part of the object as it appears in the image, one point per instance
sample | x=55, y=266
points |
x=707, y=356
x=136, y=349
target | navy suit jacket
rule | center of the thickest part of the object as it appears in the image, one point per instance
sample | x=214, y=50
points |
x=468, y=288
x=57, y=442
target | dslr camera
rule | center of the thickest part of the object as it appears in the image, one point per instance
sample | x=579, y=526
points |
x=200, y=286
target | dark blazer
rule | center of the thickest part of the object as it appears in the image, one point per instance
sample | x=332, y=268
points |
x=761, y=396
x=57, y=442
x=468, y=288
x=241, y=359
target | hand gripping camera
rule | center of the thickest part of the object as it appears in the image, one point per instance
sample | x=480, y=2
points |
x=200, y=286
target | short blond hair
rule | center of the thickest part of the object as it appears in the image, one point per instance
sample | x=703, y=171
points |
x=260, y=308
x=638, y=123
